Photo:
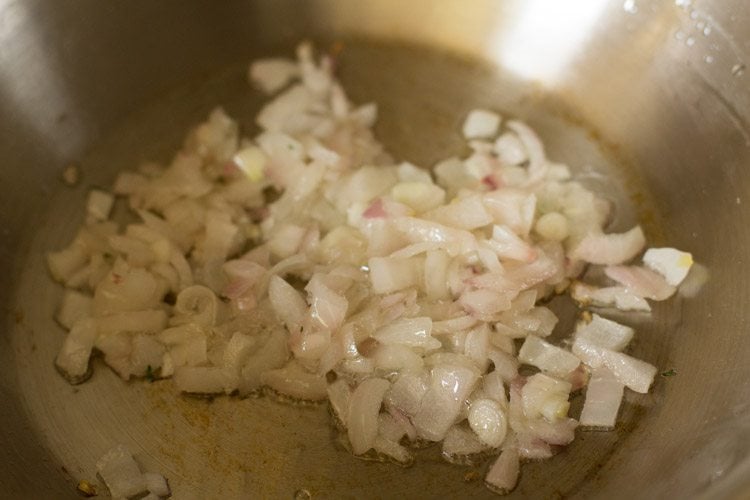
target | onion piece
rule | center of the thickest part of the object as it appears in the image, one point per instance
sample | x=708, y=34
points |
x=121, y=473
x=390, y=275
x=74, y=306
x=157, y=484
x=641, y=281
x=633, y=373
x=488, y=421
x=407, y=392
x=412, y=332
x=610, y=249
x=545, y=396
x=547, y=357
x=617, y=296
x=605, y=333
x=462, y=446
x=73, y=359
x=287, y=303
x=502, y=476
x=481, y=123
x=449, y=386
x=272, y=75
x=294, y=381
x=362, y=418
x=603, y=398
x=671, y=263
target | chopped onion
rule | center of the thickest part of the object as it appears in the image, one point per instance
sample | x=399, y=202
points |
x=306, y=262
x=547, y=357
x=487, y=419
x=440, y=406
x=362, y=418
x=610, y=249
x=603, y=398
x=503, y=474
x=481, y=123
x=671, y=263
x=462, y=446
x=633, y=373
x=641, y=281
x=605, y=333
x=121, y=473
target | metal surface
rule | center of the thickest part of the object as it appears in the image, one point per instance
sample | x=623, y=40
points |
x=652, y=93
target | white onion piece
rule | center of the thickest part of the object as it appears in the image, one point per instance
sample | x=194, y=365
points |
x=121, y=473
x=326, y=306
x=560, y=432
x=99, y=204
x=603, y=398
x=513, y=208
x=453, y=241
x=460, y=445
x=390, y=428
x=126, y=289
x=73, y=307
x=547, y=357
x=506, y=365
x=610, y=249
x=294, y=381
x=466, y=213
x=613, y=296
x=132, y=321
x=494, y=388
x=487, y=419
x=641, y=281
x=362, y=418
x=73, y=358
x=420, y=196
x=508, y=245
x=436, y=274
x=545, y=396
x=272, y=74
x=390, y=357
x=476, y=346
x=509, y=149
x=671, y=263
x=633, y=373
x=484, y=302
x=449, y=386
x=605, y=333
x=502, y=476
x=65, y=263
x=407, y=392
x=552, y=226
x=532, y=144
x=237, y=349
x=412, y=332
x=453, y=324
x=390, y=275
x=272, y=355
x=286, y=240
x=276, y=115
x=287, y=303
x=198, y=304
x=156, y=484
x=481, y=123
x=393, y=450
x=339, y=396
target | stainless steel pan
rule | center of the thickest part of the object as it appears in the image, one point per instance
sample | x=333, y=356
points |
x=653, y=93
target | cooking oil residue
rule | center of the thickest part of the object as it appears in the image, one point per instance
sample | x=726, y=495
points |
x=738, y=69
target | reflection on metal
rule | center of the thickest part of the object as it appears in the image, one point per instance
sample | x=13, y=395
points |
x=547, y=34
